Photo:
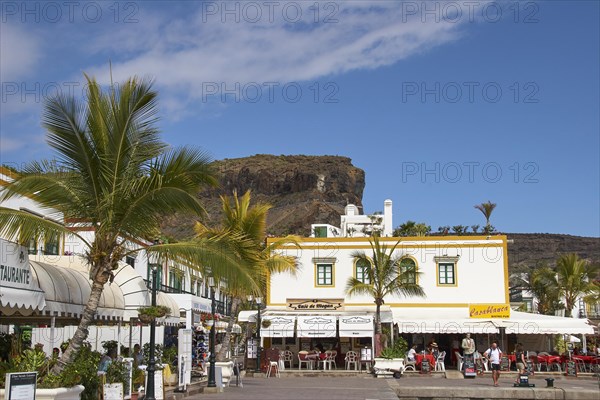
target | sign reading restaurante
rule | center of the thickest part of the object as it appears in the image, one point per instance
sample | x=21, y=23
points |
x=315, y=304
x=489, y=311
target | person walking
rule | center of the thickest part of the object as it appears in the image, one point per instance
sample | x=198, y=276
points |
x=520, y=359
x=494, y=355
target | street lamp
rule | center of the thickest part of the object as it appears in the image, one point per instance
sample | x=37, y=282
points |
x=152, y=362
x=213, y=332
x=258, y=301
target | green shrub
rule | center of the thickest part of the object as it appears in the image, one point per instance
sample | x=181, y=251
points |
x=398, y=350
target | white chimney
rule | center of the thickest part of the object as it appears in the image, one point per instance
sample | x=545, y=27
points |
x=387, y=218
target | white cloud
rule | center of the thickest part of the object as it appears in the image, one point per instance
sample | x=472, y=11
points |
x=187, y=51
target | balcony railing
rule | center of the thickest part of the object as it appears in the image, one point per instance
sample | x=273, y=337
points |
x=220, y=306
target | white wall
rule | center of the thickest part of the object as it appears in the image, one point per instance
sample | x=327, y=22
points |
x=480, y=270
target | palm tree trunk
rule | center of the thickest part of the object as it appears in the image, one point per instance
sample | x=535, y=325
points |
x=82, y=330
x=222, y=354
x=377, y=317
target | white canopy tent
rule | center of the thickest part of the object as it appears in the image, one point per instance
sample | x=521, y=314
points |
x=279, y=326
x=356, y=326
x=67, y=290
x=456, y=320
x=317, y=326
x=528, y=323
x=439, y=320
x=132, y=287
x=19, y=293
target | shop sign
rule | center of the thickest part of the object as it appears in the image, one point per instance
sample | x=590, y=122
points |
x=315, y=304
x=489, y=311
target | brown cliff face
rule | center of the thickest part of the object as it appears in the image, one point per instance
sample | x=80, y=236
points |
x=301, y=189
x=310, y=189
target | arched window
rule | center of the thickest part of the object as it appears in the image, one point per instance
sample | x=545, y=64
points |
x=408, y=270
x=361, y=271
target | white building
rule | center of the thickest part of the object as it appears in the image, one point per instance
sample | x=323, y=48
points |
x=60, y=286
x=465, y=279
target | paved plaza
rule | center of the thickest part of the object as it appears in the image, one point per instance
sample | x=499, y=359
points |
x=366, y=387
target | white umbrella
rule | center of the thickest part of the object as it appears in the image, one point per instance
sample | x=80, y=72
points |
x=574, y=339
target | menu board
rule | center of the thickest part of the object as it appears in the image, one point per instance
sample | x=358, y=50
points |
x=469, y=367
x=425, y=366
x=504, y=364
x=21, y=386
x=571, y=368
x=113, y=391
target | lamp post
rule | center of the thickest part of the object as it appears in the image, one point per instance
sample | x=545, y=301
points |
x=213, y=332
x=258, y=301
x=152, y=362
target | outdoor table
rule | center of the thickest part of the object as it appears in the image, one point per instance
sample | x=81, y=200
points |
x=314, y=357
x=419, y=359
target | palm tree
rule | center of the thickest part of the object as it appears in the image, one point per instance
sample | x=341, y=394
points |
x=487, y=209
x=113, y=174
x=541, y=283
x=248, y=222
x=574, y=277
x=385, y=277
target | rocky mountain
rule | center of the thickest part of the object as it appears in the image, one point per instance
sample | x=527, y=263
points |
x=308, y=189
x=301, y=190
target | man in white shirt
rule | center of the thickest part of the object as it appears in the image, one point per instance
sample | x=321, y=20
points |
x=411, y=353
x=494, y=355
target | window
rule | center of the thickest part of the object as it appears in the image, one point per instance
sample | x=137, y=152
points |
x=361, y=271
x=408, y=271
x=446, y=274
x=32, y=248
x=130, y=260
x=320, y=231
x=324, y=274
x=51, y=246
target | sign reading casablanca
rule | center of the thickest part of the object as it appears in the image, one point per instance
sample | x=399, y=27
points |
x=489, y=311
x=315, y=304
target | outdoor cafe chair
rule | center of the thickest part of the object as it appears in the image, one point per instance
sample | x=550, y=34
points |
x=459, y=361
x=409, y=364
x=288, y=357
x=329, y=359
x=439, y=363
x=580, y=364
x=351, y=358
x=273, y=365
x=302, y=359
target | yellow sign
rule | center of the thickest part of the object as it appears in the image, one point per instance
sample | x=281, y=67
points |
x=489, y=311
x=315, y=304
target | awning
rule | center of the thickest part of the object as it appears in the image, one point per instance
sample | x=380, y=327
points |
x=528, y=323
x=247, y=316
x=356, y=326
x=279, y=326
x=67, y=290
x=187, y=301
x=131, y=286
x=317, y=326
x=439, y=320
x=19, y=292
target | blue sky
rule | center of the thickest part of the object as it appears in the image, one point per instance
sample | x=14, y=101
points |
x=443, y=104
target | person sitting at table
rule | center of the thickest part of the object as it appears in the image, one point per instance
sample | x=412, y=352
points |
x=434, y=350
x=411, y=353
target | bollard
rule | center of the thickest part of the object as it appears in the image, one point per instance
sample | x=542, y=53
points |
x=549, y=382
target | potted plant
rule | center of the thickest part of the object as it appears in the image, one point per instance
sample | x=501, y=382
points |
x=391, y=358
x=147, y=314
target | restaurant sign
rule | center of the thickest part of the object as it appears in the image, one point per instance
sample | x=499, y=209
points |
x=489, y=311
x=315, y=304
